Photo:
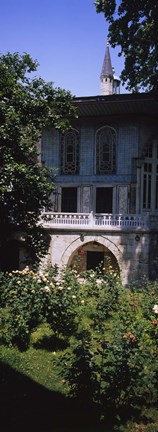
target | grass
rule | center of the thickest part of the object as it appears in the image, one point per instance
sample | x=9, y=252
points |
x=34, y=395
x=35, y=364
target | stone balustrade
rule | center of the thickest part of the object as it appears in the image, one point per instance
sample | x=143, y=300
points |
x=93, y=221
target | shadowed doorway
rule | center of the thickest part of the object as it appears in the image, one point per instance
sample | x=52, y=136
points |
x=95, y=260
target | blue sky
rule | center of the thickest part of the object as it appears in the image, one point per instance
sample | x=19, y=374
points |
x=67, y=37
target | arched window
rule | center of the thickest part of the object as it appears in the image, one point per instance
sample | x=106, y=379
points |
x=106, y=150
x=70, y=152
x=150, y=178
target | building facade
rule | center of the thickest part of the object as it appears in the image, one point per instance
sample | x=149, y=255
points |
x=105, y=203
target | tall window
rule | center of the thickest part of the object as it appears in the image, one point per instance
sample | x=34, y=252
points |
x=106, y=150
x=70, y=152
x=150, y=178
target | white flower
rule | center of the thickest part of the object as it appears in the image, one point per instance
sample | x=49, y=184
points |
x=81, y=280
x=47, y=289
x=82, y=301
x=155, y=309
x=69, y=288
x=98, y=281
x=27, y=268
x=44, y=278
x=73, y=297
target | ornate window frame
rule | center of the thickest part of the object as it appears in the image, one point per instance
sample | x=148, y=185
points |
x=150, y=178
x=70, y=152
x=105, y=150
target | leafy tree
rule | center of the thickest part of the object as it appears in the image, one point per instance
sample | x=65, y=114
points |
x=27, y=105
x=133, y=26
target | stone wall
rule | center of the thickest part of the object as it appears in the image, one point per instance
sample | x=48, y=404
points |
x=131, y=250
x=153, y=255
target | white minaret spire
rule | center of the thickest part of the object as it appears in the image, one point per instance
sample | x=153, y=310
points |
x=108, y=86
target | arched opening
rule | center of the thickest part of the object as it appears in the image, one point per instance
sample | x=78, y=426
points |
x=70, y=152
x=93, y=256
x=105, y=150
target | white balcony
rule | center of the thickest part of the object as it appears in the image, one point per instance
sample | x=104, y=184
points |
x=93, y=221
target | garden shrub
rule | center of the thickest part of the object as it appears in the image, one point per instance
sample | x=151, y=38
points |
x=81, y=371
x=26, y=299
x=64, y=306
x=110, y=355
x=122, y=349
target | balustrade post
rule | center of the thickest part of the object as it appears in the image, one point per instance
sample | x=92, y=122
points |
x=91, y=219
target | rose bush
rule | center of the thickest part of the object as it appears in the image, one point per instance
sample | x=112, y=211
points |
x=111, y=333
x=25, y=299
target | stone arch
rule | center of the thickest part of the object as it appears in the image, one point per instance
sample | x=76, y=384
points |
x=79, y=243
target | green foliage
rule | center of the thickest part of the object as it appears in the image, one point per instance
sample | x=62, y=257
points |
x=104, y=337
x=133, y=26
x=27, y=105
x=81, y=374
x=64, y=304
x=147, y=423
x=25, y=296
